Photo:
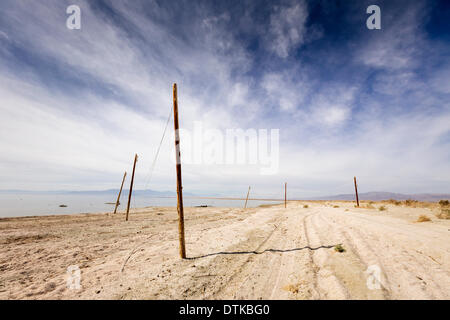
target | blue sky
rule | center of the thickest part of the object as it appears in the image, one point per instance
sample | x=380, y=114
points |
x=77, y=104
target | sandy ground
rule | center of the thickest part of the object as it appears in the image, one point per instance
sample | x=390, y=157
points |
x=257, y=253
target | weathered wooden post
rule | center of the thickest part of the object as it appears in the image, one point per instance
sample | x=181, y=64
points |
x=131, y=187
x=120, y=192
x=179, y=181
x=285, y=194
x=356, y=192
x=246, y=200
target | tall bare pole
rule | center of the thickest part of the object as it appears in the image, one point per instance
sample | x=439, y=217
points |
x=131, y=186
x=246, y=200
x=285, y=194
x=179, y=182
x=120, y=192
x=356, y=192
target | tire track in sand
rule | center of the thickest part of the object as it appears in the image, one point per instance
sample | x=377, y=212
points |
x=222, y=290
x=248, y=280
x=327, y=284
x=283, y=272
x=350, y=267
x=401, y=267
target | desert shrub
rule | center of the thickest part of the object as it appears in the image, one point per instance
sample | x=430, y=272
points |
x=291, y=288
x=426, y=204
x=411, y=202
x=339, y=248
x=369, y=206
x=305, y=206
x=382, y=208
x=394, y=202
x=444, y=203
x=444, y=214
x=423, y=218
x=335, y=206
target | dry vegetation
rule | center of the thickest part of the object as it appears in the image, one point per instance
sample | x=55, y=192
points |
x=444, y=210
x=423, y=218
x=444, y=214
x=440, y=209
x=411, y=203
x=394, y=202
x=311, y=250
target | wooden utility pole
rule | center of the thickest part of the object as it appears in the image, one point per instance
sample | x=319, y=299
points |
x=246, y=200
x=131, y=186
x=179, y=182
x=120, y=192
x=356, y=192
x=285, y=194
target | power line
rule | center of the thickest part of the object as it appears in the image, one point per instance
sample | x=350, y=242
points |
x=152, y=168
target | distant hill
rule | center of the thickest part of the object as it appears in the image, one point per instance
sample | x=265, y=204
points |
x=380, y=195
x=375, y=196
x=149, y=193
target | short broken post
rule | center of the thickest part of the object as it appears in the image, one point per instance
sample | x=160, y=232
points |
x=120, y=192
x=179, y=181
x=131, y=187
x=246, y=199
x=356, y=192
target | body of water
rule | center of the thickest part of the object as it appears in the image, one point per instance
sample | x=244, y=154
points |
x=22, y=205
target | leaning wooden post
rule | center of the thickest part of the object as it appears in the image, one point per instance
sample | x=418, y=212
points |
x=120, y=192
x=179, y=182
x=356, y=192
x=285, y=194
x=131, y=187
x=246, y=200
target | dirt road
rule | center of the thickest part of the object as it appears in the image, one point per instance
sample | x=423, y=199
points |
x=258, y=253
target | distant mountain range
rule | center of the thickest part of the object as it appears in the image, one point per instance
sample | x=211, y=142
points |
x=125, y=191
x=375, y=196
x=380, y=195
x=150, y=193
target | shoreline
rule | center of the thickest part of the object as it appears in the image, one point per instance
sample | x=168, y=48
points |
x=279, y=203
x=234, y=253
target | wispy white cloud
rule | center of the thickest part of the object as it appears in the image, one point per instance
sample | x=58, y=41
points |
x=284, y=91
x=389, y=125
x=440, y=80
x=287, y=28
x=333, y=107
x=398, y=43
